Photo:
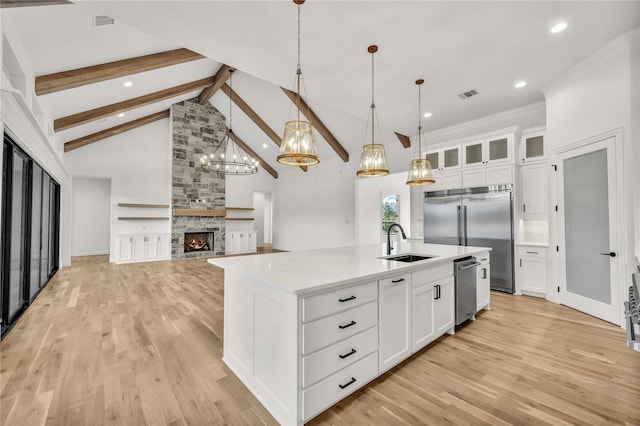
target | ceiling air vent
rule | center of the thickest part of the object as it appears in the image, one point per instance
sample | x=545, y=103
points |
x=100, y=20
x=468, y=94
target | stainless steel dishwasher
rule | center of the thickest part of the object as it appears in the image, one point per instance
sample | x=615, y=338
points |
x=465, y=279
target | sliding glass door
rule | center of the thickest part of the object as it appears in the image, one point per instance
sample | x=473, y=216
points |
x=30, y=226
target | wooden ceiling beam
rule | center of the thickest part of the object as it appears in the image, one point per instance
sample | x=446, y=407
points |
x=26, y=3
x=404, y=140
x=254, y=116
x=318, y=124
x=88, y=75
x=220, y=78
x=253, y=154
x=73, y=120
x=94, y=137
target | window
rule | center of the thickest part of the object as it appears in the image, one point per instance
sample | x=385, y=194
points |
x=390, y=204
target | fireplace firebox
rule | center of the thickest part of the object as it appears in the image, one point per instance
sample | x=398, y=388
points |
x=198, y=241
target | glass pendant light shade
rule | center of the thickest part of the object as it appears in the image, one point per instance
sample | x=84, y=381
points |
x=298, y=146
x=373, y=160
x=420, y=172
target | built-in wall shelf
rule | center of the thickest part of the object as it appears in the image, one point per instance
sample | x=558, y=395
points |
x=239, y=218
x=240, y=208
x=194, y=212
x=144, y=206
x=142, y=218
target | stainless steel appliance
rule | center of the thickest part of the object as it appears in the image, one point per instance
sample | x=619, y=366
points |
x=465, y=282
x=475, y=217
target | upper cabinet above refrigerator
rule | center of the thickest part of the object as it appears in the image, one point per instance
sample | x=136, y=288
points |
x=488, y=151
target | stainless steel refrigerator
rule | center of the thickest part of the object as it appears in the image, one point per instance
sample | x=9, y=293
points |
x=475, y=217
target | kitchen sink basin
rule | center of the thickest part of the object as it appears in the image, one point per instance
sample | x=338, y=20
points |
x=408, y=258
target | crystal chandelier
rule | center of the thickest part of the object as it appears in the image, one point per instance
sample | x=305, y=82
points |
x=373, y=160
x=420, y=172
x=229, y=158
x=298, y=146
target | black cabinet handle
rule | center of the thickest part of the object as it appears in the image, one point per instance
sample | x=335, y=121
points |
x=350, y=382
x=353, y=351
x=611, y=253
x=347, y=299
x=532, y=252
x=342, y=327
x=397, y=281
x=524, y=208
x=484, y=273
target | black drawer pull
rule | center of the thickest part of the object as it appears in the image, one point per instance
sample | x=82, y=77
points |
x=353, y=351
x=347, y=325
x=347, y=299
x=352, y=381
x=397, y=281
x=532, y=252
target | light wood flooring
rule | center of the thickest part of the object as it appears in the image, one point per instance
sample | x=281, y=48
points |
x=141, y=344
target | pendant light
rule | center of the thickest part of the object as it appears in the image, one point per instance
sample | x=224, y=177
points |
x=229, y=158
x=373, y=160
x=420, y=172
x=298, y=146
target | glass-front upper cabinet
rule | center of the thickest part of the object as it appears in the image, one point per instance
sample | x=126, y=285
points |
x=445, y=159
x=532, y=145
x=493, y=150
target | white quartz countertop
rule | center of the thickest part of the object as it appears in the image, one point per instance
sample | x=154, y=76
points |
x=300, y=272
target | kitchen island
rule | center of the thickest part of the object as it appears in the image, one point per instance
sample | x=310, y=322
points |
x=303, y=330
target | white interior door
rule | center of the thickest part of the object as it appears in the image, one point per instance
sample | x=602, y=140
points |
x=587, y=197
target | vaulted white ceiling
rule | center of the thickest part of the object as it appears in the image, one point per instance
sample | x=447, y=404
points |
x=455, y=46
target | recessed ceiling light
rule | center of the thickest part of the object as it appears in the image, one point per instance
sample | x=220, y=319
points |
x=520, y=84
x=121, y=115
x=558, y=27
x=427, y=114
x=264, y=145
x=128, y=83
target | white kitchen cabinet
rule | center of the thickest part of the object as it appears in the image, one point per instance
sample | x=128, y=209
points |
x=137, y=247
x=488, y=151
x=432, y=305
x=532, y=145
x=483, y=282
x=395, y=317
x=422, y=322
x=487, y=175
x=534, y=190
x=532, y=270
x=240, y=242
x=444, y=306
x=445, y=158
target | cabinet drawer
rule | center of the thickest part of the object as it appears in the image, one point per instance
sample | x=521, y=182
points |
x=332, y=389
x=431, y=274
x=532, y=251
x=338, y=300
x=337, y=356
x=323, y=332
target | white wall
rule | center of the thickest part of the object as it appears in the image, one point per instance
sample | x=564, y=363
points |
x=258, y=214
x=90, y=208
x=597, y=96
x=369, y=193
x=315, y=209
x=138, y=162
x=29, y=124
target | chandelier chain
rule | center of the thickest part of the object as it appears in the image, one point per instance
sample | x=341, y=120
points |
x=230, y=98
x=299, y=69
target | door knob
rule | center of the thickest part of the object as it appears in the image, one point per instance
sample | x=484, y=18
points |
x=611, y=253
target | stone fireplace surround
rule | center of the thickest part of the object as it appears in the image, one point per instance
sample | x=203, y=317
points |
x=196, y=129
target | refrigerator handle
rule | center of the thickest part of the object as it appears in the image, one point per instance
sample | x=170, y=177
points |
x=464, y=218
x=459, y=226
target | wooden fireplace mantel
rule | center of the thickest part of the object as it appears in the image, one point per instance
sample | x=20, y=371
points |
x=194, y=212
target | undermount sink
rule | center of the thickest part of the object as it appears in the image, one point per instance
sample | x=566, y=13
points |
x=407, y=258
